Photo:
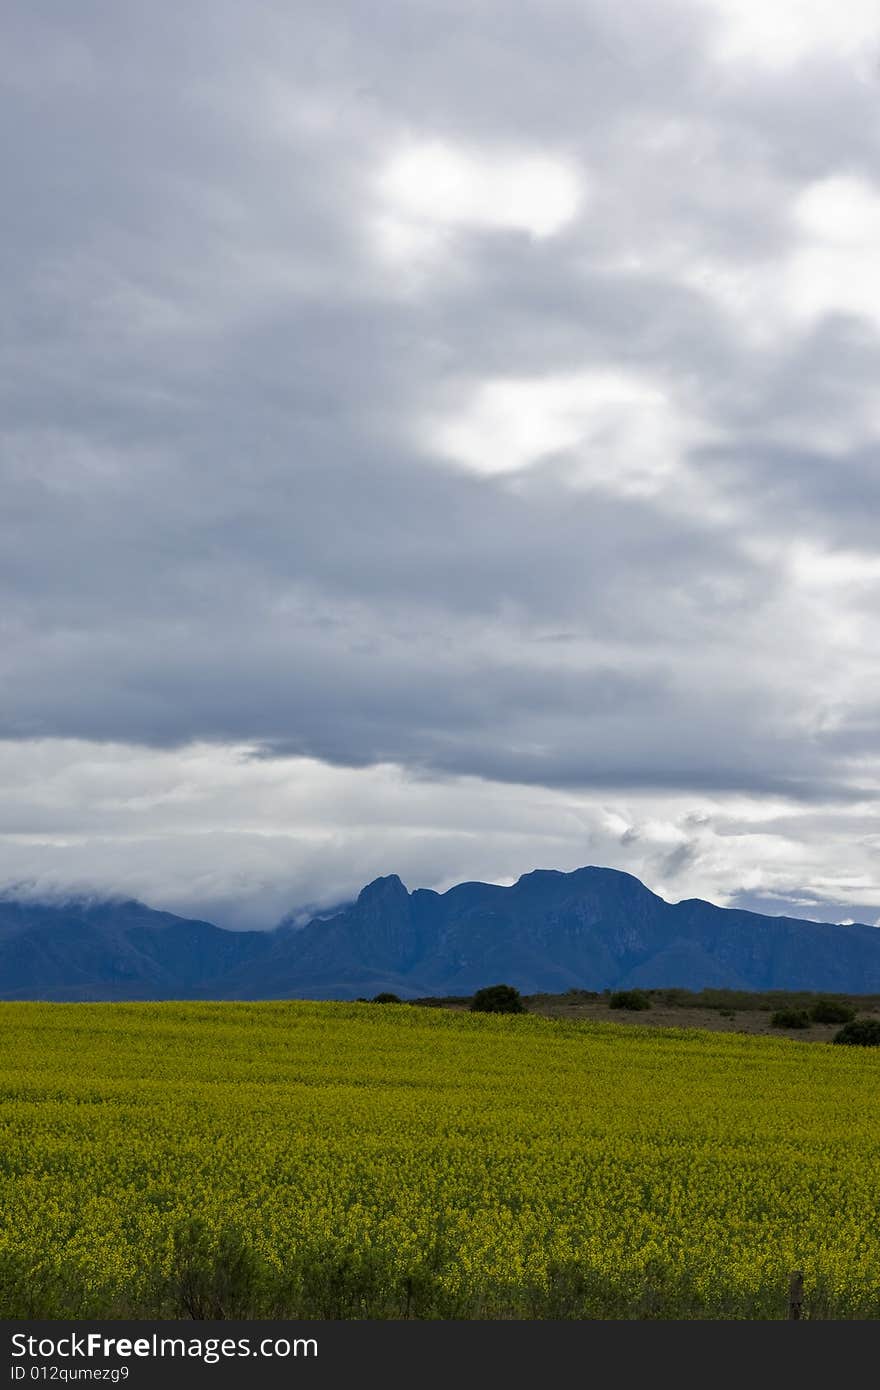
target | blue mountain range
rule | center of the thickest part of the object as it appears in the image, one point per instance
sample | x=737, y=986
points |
x=549, y=932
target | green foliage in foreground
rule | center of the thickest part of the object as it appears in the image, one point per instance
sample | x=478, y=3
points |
x=343, y=1160
x=635, y=999
x=862, y=1032
x=832, y=1011
x=790, y=1018
x=497, y=999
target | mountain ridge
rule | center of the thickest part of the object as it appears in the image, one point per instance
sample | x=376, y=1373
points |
x=593, y=928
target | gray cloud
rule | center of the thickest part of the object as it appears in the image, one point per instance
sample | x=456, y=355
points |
x=229, y=512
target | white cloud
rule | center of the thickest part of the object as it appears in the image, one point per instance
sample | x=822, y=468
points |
x=624, y=434
x=836, y=269
x=832, y=268
x=820, y=568
x=779, y=34
x=430, y=187
x=210, y=830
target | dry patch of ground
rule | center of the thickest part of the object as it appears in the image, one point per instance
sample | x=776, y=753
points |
x=730, y=1016
x=667, y=1016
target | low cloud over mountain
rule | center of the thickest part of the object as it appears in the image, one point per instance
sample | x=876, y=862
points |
x=591, y=929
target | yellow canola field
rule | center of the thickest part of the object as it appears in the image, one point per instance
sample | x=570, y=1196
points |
x=320, y=1159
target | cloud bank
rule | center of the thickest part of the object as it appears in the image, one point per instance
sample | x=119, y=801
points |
x=458, y=412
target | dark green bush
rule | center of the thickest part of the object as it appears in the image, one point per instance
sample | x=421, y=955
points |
x=635, y=999
x=213, y=1274
x=832, y=1011
x=497, y=999
x=790, y=1018
x=863, y=1032
x=386, y=997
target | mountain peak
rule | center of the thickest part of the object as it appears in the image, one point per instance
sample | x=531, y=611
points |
x=539, y=879
x=385, y=890
x=595, y=928
x=539, y=876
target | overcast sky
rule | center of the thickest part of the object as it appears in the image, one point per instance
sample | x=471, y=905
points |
x=440, y=437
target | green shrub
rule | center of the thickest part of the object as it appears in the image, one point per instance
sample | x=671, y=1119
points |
x=386, y=997
x=635, y=999
x=677, y=998
x=790, y=1018
x=497, y=999
x=832, y=1011
x=863, y=1032
x=212, y=1275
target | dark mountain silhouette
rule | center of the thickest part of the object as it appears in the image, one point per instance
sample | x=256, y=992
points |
x=113, y=950
x=591, y=929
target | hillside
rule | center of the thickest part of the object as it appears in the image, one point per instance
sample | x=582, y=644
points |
x=549, y=932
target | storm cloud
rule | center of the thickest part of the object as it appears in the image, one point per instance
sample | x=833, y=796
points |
x=441, y=406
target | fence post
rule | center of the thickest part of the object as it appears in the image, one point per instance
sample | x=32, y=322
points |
x=796, y=1294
